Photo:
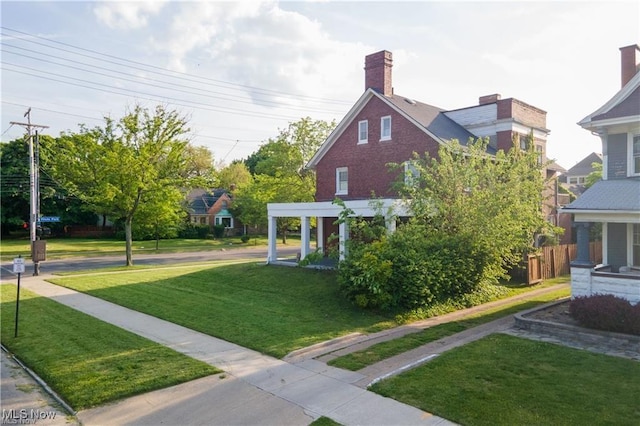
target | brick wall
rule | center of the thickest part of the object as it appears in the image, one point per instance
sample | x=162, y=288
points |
x=367, y=163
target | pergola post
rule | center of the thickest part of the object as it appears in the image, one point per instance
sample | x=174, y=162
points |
x=320, y=234
x=305, y=237
x=343, y=231
x=272, y=254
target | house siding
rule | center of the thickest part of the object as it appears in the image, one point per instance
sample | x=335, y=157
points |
x=617, y=156
x=617, y=245
x=368, y=163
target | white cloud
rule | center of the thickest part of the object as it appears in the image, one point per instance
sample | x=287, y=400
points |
x=127, y=15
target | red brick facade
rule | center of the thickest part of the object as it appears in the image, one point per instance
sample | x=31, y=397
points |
x=367, y=163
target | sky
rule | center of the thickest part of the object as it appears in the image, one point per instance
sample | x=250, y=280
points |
x=241, y=71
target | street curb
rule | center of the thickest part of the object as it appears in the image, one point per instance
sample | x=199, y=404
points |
x=41, y=382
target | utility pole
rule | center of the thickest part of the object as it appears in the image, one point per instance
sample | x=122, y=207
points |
x=34, y=187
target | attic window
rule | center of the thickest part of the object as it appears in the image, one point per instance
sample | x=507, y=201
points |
x=363, y=131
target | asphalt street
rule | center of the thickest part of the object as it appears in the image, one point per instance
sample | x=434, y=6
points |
x=98, y=262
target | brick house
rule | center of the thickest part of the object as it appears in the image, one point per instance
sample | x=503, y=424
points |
x=383, y=127
x=615, y=200
x=212, y=208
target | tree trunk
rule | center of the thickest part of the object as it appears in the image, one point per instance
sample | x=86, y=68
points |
x=128, y=241
x=284, y=236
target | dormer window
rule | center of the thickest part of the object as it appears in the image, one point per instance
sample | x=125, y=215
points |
x=385, y=128
x=363, y=131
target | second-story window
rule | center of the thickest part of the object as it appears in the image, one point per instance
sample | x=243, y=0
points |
x=385, y=128
x=363, y=131
x=411, y=173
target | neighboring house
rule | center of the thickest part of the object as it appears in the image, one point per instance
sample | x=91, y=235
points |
x=383, y=128
x=212, y=208
x=575, y=178
x=615, y=200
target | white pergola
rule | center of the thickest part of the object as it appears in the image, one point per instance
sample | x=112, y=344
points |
x=389, y=207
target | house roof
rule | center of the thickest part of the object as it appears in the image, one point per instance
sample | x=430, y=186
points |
x=428, y=118
x=201, y=200
x=623, y=107
x=584, y=166
x=609, y=195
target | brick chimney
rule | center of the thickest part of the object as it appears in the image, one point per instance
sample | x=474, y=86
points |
x=629, y=59
x=377, y=72
x=489, y=99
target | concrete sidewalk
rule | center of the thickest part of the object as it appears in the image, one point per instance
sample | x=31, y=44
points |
x=256, y=389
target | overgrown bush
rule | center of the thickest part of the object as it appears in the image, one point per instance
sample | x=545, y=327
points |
x=606, y=312
x=218, y=231
x=192, y=231
x=411, y=268
x=245, y=238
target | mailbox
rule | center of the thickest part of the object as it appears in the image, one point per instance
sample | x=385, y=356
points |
x=39, y=250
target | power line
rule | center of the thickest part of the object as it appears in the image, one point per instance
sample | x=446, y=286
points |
x=211, y=80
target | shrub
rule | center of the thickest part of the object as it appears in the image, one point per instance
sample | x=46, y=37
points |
x=218, y=231
x=411, y=268
x=245, y=238
x=192, y=231
x=606, y=312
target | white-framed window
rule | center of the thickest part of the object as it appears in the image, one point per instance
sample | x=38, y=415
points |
x=411, y=173
x=363, y=131
x=385, y=128
x=577, y=180
x=635, y=153
x=224, y=220
x=342, y=181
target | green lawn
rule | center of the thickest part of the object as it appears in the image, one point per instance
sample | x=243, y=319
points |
x=86, y=361
x=376, y=353
x=69, y=247
x=504, y=380
x=271, y=309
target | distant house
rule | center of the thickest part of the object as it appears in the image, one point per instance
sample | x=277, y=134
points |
x=383, y=127
x=212, y=208
x=575, y=178
x=615, y=200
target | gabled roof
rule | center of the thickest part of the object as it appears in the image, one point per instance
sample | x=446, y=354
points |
x=584, y=166
x=200, y=200
x=622, y=108
x=428, y=118
x=609, y=195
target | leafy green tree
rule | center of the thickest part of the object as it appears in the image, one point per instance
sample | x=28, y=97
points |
x=199, y=166
x=496, y=201
x=124, y=165
x=235, y=175
x=15, y=190
x=594, y=176
x=279, y=173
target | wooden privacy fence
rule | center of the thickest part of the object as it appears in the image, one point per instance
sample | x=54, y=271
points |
x=554, y=261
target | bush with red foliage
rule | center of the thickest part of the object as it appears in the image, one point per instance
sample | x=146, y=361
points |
x=606, y=312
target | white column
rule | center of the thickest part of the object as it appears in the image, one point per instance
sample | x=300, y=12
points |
x=305, y=237
x=343, y=231
x=272, y=254
x=391, y=224
x=320, y=233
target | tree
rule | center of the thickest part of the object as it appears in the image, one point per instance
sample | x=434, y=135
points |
x=279, y=172
x=235, y=175
x=496, y=201
x=473, y=217
x=125, y=164
x=15, y=189
x=199, y=166
x=594, y=176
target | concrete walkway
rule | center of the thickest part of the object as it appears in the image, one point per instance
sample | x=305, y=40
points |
x=255, y=389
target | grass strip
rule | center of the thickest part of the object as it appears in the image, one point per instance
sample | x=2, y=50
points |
x=86, y=361
x=360, y=359
x=271, y=309
x=505, y=380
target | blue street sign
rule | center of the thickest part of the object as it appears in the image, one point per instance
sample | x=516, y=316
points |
x=50, y=219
